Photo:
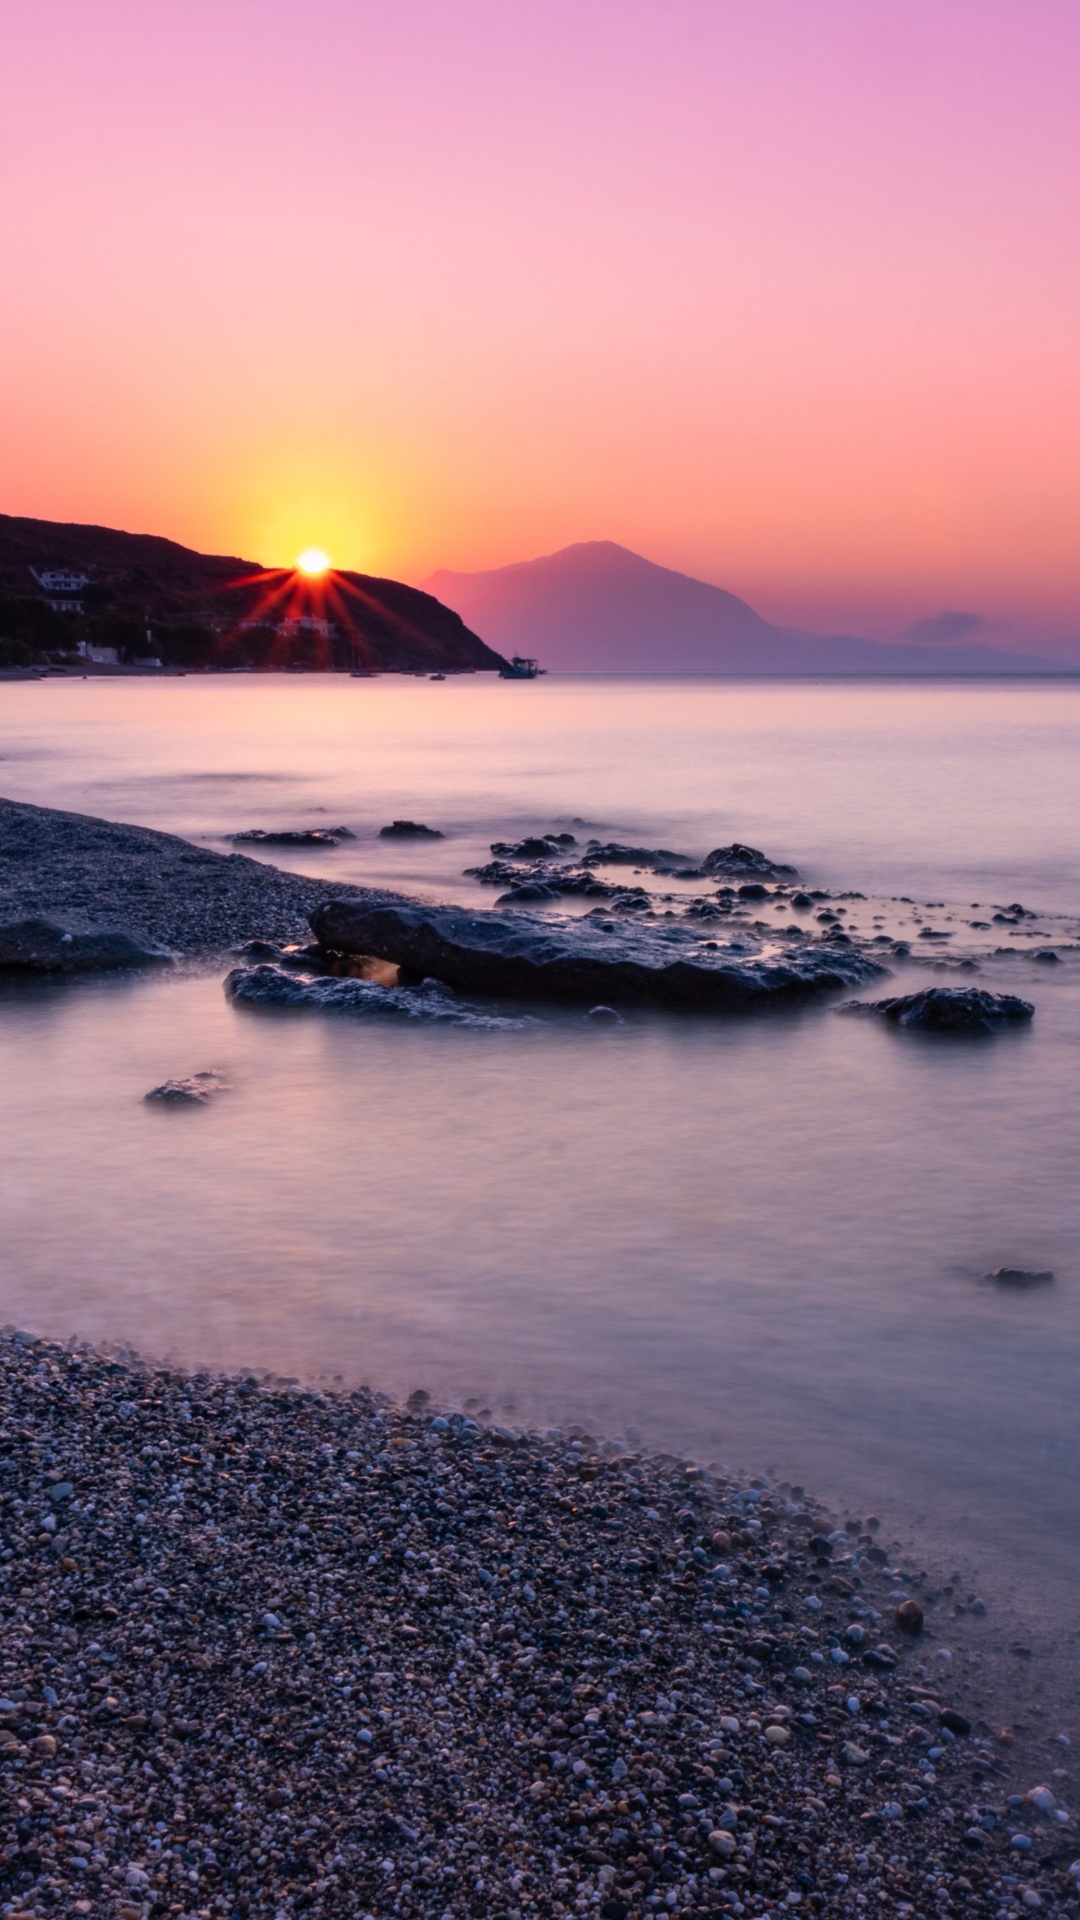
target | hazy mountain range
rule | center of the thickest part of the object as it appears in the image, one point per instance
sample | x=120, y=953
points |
x=598, y=608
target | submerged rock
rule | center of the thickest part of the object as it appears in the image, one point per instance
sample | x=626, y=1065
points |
x=740, y=859
x=570, y=881
x=1019, y=1279
x=527, y=890
x=409, y=830
x=197, y=1090
x=43, y=946
x=546, y=846
x=947, y=1010
x=612, y=853
x=518, y=954
x=270, y=986
x=294, y=837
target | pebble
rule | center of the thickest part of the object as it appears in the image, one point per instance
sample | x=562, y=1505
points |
x=309, y=1653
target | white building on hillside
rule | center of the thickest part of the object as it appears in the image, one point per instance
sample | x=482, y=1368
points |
x=62, y=588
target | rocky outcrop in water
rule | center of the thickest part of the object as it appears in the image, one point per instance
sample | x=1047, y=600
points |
x=409, y=830
x=612, y=853
x=524, y=956
x=947, y=1010
x=428, y=1003
x=294, y=837
x=535, y=846
x=196, y=1090
x=46, y=946
x=1019, y=1279
x=740, y=859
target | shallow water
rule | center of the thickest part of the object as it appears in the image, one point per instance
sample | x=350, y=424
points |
x=758, y=1240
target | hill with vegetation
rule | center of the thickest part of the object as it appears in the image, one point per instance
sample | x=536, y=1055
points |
x=147, y=597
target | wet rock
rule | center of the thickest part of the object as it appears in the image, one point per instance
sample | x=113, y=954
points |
x=535, y=847
x=612, y=853
x=429, y=1003
x=409, y=830
x=909, y=1617
x=748, y=860
x=578, y=959
x=197, y=1090
x=294, y=837
x=46, y=946
x=955, y=1723
x=948, y=1010
x=526, y=891
x=1019, y=1279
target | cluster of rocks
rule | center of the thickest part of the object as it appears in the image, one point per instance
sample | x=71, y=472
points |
x=948, y=1010
x=269, y=985
x=295, y=836
x=523, y=956
x=541, y=867
x=275, y=1651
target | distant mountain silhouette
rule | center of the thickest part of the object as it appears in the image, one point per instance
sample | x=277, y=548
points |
x=598, y=608
x=206, y=609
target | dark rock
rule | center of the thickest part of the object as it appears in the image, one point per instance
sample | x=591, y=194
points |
x=802, y=901
x=294, y=837
x=526, y=890
x=577, y=959
x=740, y=859
x=909, y=1617
x=429, y=1003
x=957, y=1723
x=1020, y=1279
x=559, y=880
x=949, y=1010
x=612, y=853
x=196, y=1091
x=535, y=847
x=883, y=1658
x=753, y=890
x=42, y=946
x=409, y=830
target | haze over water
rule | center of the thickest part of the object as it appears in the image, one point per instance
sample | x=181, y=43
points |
x=759, y=1240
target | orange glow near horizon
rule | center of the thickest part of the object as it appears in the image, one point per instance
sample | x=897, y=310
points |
x=779, y=296
x=313, y=562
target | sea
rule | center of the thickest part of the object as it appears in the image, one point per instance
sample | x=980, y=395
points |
x=757, y=1241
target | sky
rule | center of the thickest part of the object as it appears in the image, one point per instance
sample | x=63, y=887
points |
x=783, y=293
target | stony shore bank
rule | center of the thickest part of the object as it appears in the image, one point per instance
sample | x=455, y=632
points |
x=272, y=1651
x=192, y=900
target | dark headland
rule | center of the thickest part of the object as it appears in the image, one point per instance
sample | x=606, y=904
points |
x=145, y=597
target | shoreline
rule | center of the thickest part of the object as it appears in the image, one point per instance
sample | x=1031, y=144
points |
x=279, y=1649
x=189, y=898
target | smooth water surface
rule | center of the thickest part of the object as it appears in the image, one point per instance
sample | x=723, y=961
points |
x=759, y=1240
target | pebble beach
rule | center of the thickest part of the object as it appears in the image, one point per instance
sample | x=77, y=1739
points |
x=270, y=1650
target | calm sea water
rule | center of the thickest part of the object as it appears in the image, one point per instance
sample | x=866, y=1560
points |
x=757, y=1240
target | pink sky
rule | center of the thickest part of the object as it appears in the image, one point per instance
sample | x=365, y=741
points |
x=785, y=293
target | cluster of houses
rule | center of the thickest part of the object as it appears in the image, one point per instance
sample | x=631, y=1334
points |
x=63, y=591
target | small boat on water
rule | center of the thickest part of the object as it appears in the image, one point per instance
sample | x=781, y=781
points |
x=521, y=668
x=438, y=676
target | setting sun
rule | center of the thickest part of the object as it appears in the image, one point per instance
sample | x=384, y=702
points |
x=313, y=560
